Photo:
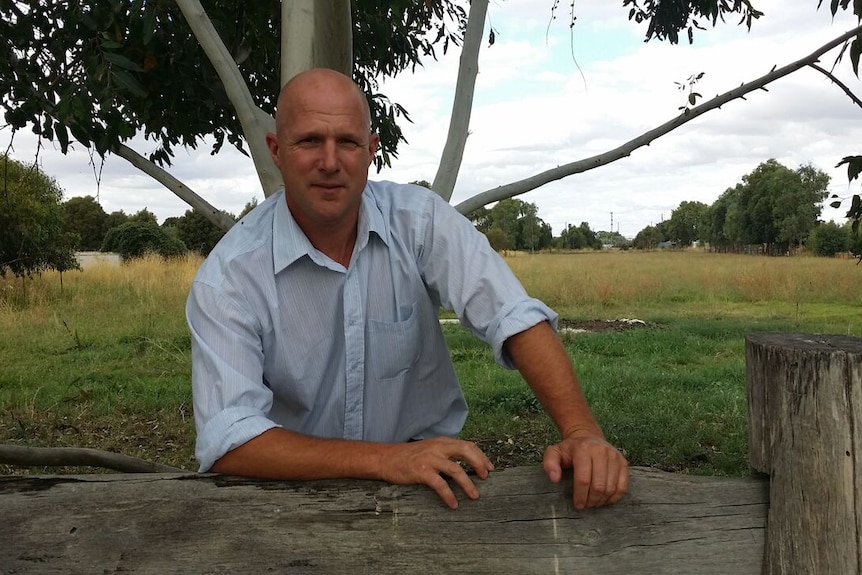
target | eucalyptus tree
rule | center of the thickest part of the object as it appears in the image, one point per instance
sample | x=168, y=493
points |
x=102, y=71
x=686, y=223
x=773, y=206
x=181, y=70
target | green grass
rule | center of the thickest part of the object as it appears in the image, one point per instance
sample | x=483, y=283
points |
x=105, y=362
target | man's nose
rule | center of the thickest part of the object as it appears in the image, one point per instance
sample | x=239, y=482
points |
x=329, y=156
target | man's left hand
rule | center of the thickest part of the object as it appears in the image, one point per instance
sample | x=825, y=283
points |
x=601, y=473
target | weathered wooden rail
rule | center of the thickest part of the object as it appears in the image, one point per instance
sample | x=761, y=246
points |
x=159, y=523
x=805, y=409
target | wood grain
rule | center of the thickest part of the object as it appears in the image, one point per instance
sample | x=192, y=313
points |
x=161, y=523
x=805, y=431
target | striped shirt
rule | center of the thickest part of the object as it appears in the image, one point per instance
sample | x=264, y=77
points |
x=284, y=336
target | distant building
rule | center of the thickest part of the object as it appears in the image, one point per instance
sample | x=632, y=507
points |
x=92, y=259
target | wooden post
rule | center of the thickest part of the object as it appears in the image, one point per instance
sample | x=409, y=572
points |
x=805, y=431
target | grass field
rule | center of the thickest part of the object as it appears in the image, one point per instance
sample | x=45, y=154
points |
x=104, y=362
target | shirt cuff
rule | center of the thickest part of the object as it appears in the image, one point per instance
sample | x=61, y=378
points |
x=228, y=430
x=513, y=319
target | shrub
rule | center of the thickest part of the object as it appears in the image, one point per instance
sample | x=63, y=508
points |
x=827, y=239
x=134, y=239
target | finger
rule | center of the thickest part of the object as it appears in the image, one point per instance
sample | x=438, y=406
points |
x=583, y=473
x=552, y=464
x=622, y=483
x=475, y=458
x=460, y=477
x=598, y=480
x=604, y=482
x=441, y=487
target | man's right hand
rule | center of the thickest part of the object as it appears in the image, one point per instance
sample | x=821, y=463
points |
x=428, y=460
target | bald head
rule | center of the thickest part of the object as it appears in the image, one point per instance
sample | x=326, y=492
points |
x=316, y=84
x=323, y=147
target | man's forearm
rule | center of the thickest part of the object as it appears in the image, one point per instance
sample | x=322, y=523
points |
x=281, y=454
x=544, y=364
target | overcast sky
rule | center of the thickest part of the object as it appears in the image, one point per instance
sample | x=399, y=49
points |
x=534, y=109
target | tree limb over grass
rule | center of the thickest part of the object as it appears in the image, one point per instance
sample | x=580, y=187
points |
x=217, y=217
x=79, y=456
x=533, y=182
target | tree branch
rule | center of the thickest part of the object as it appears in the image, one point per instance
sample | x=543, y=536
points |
x=838, y=82
x=533, y=182
x=217, y=217
x=255, y=122
x=462, y=104
x=79, y=456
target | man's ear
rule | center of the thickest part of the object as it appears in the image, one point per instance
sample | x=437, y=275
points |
x=272, y=144
x=373, y=143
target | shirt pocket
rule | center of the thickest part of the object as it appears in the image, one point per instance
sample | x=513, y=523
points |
x=393, y=347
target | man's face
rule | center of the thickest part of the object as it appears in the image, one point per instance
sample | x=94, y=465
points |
x=323, y=149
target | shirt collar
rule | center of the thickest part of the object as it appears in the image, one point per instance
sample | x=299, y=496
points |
x=289, y=242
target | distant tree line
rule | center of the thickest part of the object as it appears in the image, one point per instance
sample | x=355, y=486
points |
x=39, y=231
x=134, y=235
x=774, y=210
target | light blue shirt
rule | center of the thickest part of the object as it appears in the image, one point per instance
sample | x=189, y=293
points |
x=284, y=336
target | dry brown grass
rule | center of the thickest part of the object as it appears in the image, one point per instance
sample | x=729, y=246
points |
x=595, y=283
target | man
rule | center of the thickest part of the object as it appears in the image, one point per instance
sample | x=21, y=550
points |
x=316, y=345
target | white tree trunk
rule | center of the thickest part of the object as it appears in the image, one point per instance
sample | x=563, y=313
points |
x=255, y=122
x=462, y=104
x=316, y=34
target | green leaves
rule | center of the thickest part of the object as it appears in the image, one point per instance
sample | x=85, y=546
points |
x=33, y=236
x=104, y=70
x=854, y=166
x=121, y=61
x=667, y=18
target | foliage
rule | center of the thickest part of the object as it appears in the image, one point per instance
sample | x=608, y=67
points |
x=828, y=239
x=713, y=222
x=685, y=224
x=144, y=215
x=649, y=238
x=773, y=207
x=614, y=239
x=854, y=239
x=517, y=222
x=197, y=232
x=667, y=18
x=497, y=239
x=102, y=71
x=135, y=239
x=86, y=218
x=854, y=213
x=116, y=219
x=854, y=163
x=579, y=238
x=33, y=233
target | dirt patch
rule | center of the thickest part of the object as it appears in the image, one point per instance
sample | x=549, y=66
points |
x=602, y=325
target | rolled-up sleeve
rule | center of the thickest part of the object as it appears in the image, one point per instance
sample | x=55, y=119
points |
x=231, y=401
x=470, y=278
x=513, y=319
